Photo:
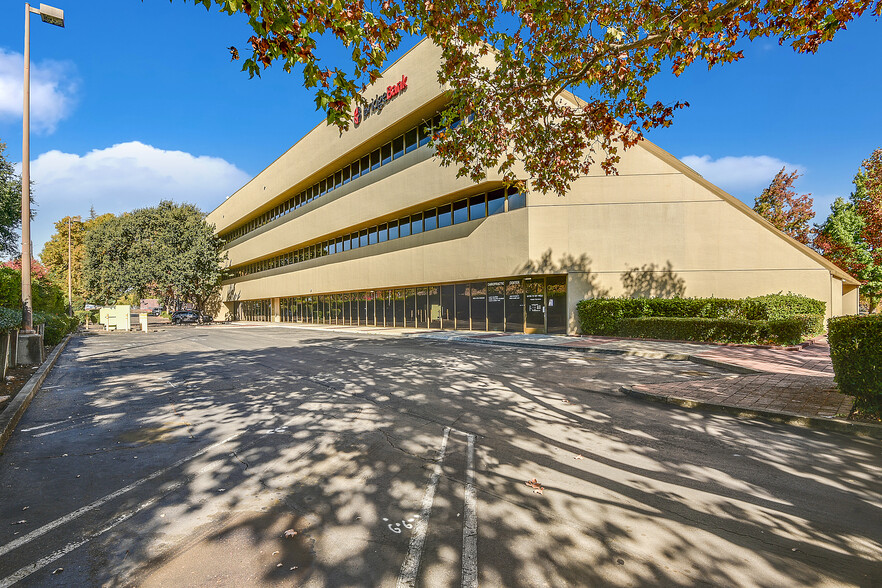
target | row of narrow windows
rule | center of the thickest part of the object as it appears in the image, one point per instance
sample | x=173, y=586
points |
x=397, y=147
x=460, y=211
x=527, y=304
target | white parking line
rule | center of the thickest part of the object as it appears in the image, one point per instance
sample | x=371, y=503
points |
x=44, y=426
x=411, y=566
x=4, y=549
x=470, y=522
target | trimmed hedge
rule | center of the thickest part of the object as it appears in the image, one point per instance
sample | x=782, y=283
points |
x=787, y=331
x=856, y=351
x=785, y=318
x=56, y=326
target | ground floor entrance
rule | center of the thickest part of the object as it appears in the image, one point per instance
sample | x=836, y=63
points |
x=534, y=304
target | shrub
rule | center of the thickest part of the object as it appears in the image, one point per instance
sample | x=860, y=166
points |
x=10, y=318
x=56, y=326
x=856, y=351
x=82, y=314
x=781, y=324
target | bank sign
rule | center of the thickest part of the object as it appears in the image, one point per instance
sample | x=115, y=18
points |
x=376, y=105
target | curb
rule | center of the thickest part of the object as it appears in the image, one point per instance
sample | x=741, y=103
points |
x=16, y=409
x=827, y=424
x=731, y=367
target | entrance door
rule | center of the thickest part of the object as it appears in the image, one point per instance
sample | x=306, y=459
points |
x=556, y=304
x=514, y=306
x=534, y=292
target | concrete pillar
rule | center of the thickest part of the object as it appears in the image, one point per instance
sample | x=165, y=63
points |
x=29, y=350
x=277, y=310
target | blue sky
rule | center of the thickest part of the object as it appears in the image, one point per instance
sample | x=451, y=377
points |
x=134, y=102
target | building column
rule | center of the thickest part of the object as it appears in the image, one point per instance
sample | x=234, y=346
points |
x=277, y=310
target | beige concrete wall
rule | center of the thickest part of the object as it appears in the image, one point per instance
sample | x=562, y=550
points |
x=324, y=149
x=657, y=228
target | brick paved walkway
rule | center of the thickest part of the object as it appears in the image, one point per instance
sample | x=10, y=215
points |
x=792, y=381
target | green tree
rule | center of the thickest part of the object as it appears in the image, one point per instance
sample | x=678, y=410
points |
x=166, y=251
x=851, y=237
x=512, y=64
x=10, y=206
x=780, y=205
x=55, y=252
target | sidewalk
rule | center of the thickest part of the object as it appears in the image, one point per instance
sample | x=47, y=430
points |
x=793, y=384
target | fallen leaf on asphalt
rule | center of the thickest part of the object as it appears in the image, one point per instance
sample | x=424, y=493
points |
x=21, y=522
x=290, y=533
x=578, y=456
x=25, y=508
x=535, y=485
x=294, y=568
x=58, y=570
x=278, y=565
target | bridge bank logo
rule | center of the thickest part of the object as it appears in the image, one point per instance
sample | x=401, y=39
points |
x=379, y=102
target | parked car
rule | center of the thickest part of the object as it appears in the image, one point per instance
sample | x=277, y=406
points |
x=206, y=318
x=186, y=317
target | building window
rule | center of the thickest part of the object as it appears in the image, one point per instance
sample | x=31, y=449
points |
x=516, y=199
x=410, y=140
x=398, y=147
x=444, y=216
x=496, y=202
x=416, y=223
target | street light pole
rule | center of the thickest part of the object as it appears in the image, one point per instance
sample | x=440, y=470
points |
x=69, y=287
x=56, y=17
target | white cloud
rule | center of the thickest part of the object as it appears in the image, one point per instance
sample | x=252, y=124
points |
x=122, y=178
x=734, y=174
x=53, y=91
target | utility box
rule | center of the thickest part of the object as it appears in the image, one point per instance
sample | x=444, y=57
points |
x=116, y=318
x=142, y=318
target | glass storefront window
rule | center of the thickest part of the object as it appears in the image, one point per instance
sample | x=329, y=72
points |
x=534, y=294
x=422, y=307
x=462, y=303
x=514, y=306
x=495, y=306
x=399, y=307
x=409, y=307
x=448, y=307
x=434, y=307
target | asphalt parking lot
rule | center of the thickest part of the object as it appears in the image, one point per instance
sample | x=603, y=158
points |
x=235, y=456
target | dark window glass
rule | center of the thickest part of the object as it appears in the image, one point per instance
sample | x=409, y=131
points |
x=383, y=233
x=477, y=207
x=363, y=238
x=398, y=147
x=389, y=308
x=338, y=179
x=322, y=188
x=436, y=123
x=375, y=159
x=496, y=202
x=398, y=303
x=404, y=227
x=410, y=308
x=410, y=140
x=416, y=223
x=386, y=152
x=347, y=311
x=346, y=172
x=422, y=304
x=380, y=307
x=366, y=164
x=430, y=219
x=460, y=211
x=461, y=293
x=356, y=168
x=393, y=230
x=514, y=306
x=495, y=306
x=434, y=307
x=456, y=122
x=448, y=305
x=516, y=199
x=556, y=301
x=372, y=236
x=534, y=305
x=444, y=217
x=425, y=132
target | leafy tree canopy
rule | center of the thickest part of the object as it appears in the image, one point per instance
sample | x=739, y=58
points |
x=167, y=251
x=851, y=237
x=10, y=206
x=780, y=205
x=511, y=63
x=55, y=251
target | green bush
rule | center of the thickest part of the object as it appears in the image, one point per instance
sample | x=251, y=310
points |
x=56, y=326
x=856, y=351
x=780, y=318
x=82, y=314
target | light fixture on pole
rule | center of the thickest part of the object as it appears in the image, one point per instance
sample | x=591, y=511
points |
x=53, y=16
